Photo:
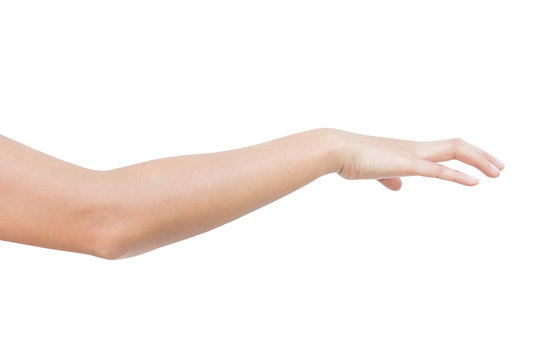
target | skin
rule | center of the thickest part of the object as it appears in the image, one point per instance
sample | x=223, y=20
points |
x=131, y=210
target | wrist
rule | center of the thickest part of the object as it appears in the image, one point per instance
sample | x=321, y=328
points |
x=330, y=144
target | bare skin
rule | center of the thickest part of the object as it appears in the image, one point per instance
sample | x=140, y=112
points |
x=131, y=210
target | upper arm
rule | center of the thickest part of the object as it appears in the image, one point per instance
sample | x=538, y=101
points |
x=47, y=202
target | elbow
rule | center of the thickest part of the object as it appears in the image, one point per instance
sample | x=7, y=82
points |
x=109, y=253
x=122, y=246
x=109, y=248
x=119, y=226
x=110, y=238
x=117, y=239
x=106, y=219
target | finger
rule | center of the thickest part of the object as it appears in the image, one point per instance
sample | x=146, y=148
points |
x=461, y=150
x=492, y=159
x=435, y=170
x=470, y=155
x=392, y=183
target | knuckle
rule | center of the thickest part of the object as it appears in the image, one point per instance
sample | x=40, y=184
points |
x=457, y=141
x=456, y=146
x=440, y=171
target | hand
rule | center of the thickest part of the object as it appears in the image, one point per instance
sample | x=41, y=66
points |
x=369, y=157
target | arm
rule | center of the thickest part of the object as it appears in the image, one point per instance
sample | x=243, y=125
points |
x=131, y=210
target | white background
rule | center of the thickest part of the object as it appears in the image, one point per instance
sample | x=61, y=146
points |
x=337, y=270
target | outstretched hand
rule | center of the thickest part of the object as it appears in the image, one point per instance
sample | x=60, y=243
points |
x=385, y=159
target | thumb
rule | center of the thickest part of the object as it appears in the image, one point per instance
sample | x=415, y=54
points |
x=391, y=183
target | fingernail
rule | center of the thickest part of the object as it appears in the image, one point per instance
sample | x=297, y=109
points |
x=472, y=179
x=499, y=163
x=495, y=170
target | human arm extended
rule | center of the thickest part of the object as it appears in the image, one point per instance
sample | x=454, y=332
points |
x=134, y=209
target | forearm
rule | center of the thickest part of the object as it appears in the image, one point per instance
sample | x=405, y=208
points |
x=162, y=201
